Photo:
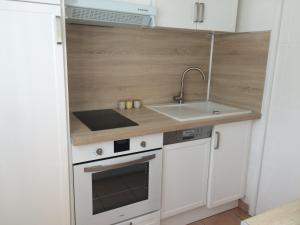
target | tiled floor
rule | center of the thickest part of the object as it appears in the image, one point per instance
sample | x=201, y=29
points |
x=231, y=217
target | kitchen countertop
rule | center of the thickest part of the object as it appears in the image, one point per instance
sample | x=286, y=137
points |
x=286, y=215
x=150, y=122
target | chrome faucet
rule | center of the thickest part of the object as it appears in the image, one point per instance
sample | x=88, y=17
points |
x=180, y=98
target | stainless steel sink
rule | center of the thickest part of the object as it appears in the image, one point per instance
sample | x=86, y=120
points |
x=196, y=110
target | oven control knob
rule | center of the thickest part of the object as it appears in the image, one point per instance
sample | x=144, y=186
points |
x=143, y=144
x=99, y=151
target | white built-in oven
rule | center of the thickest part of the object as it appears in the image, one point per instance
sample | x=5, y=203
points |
x=123, y=185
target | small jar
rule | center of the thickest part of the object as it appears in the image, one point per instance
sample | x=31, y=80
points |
x=122, y=104
x=129, y=104
x=137, y=104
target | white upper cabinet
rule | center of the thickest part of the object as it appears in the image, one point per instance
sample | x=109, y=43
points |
x=34, y=186
x=214, y=15
x=228, y=163
x=218, y=15
x=176, y=13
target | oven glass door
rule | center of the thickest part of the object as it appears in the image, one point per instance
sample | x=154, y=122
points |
x=119, y=187
x=113, y=190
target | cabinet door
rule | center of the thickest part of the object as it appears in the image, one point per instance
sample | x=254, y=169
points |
x=218, y=15
x=34, y=186
x=185, y=172
x=228, y=163
x=176, y=13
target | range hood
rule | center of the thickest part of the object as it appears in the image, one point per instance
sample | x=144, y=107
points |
x=109, y=13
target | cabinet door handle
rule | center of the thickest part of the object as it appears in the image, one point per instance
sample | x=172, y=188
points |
x=201, y=12
x=58, y=30
x=196, y=12
x=218, y=137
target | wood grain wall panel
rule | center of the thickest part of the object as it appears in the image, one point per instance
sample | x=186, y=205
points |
x=239, y=69
x=109, y=64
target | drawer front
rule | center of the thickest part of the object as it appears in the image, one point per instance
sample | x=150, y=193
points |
x=150, y=219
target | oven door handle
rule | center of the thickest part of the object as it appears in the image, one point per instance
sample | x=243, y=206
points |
x=94, y=169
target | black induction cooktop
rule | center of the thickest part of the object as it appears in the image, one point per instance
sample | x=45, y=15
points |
x=103, y=119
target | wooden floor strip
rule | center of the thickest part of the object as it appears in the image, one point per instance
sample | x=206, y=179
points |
x=231, y=217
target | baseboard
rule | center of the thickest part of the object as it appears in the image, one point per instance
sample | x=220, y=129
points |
x=243, y=206
x=197, y=214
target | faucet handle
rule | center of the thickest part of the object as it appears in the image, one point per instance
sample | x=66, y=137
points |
x=178, y=99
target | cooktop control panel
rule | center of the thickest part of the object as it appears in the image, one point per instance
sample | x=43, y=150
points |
x=187, y=135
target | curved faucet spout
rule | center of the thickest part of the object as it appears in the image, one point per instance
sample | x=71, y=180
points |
x=180, y=97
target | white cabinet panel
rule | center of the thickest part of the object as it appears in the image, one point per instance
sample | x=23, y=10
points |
x=281, y=155
x=228, y=163
x=280, y=176
x=290, y=32
x=176, y=13
x=185, y=172
x=34, y=186
x=257, y=15
x=219, y=15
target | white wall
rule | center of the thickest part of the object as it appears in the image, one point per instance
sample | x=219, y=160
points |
x=274, y=168
x=256, y=15
x=280, y=178
x=260, y=15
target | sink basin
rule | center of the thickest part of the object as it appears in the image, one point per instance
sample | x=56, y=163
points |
x=196, y=110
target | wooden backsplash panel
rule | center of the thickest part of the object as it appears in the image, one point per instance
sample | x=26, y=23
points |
x=239, y=69
x=109, y=64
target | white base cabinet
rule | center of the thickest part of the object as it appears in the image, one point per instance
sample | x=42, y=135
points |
x=34, y=186
x=228, y=163
x=185, y=172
